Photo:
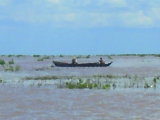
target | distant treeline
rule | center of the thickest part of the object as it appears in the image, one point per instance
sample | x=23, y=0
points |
x=87, y=56
x=141, y=55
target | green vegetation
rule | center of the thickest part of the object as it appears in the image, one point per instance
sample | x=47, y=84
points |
x=11, y=62
x=36, y=55
x=157, y=55
x=43, y=58
x=107, y=86
x=17, y=68
x=110, y=76
x=46, y=57
x=11, y=55
x=2, y=62
x=1, y=81
x=154, y=80
x=79, y=56
x=99, y=81
x=40, y=59
x=61, y=56
x=141, y=55
x=19, y=56
x=88, y=56
x=42, y=78
x=146, y=85
x=109, y=57
x=80, y=78
x=9, y=68
x=80, y=85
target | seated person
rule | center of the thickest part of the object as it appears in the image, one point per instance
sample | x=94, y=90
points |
x=74, y=61
x=101, y=61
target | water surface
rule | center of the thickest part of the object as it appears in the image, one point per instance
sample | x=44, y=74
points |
x=24, y=102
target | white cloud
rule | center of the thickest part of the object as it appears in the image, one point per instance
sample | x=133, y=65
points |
x=136, y=19
x=155, y=13
x=85, y=13
x=70, y=17
x=98, y=19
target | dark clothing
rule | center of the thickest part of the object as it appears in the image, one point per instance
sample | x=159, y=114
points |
x=74, y=61
x=101, y=61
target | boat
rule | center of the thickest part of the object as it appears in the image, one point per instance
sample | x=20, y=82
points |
x=65, y=64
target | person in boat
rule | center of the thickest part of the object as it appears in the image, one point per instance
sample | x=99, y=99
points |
x=101, y=61
x=74, y=60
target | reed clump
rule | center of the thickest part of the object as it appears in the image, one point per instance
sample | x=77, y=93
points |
x=11, y=62
x=2, y=62
x=17, y=68
x=100, y=81
x=46, y=57
x=79, y=56
x=11, y=68
x=109, y=57
x=106, y=86
x=88, y=56
x=40, y=59
x=79, y=85
x=1, y=81
x=47, y=77
x=61, y=55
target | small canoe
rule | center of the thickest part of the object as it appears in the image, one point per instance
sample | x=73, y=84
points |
x=64, y=64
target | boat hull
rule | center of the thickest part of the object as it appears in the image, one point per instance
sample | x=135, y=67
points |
x=63, y=64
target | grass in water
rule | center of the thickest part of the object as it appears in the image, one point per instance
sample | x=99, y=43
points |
x=40, y=59
x=11, y=62
x=2, y=62
x=88, y=56
x=109, y=57
x=17, y=68
x=61, y=56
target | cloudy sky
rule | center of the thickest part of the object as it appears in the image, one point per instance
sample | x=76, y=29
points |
x=79, y=26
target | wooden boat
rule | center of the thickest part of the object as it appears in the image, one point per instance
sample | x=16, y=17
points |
x=64, y=64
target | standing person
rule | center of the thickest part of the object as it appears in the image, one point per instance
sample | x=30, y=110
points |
x=74, y=60
x=101, y=61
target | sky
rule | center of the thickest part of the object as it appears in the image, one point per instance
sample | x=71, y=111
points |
x=79, y=27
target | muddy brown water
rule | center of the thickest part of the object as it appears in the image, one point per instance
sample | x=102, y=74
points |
x=19, y=100
x=41, y=103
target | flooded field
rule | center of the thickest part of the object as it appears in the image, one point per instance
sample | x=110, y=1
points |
x=128, y=89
